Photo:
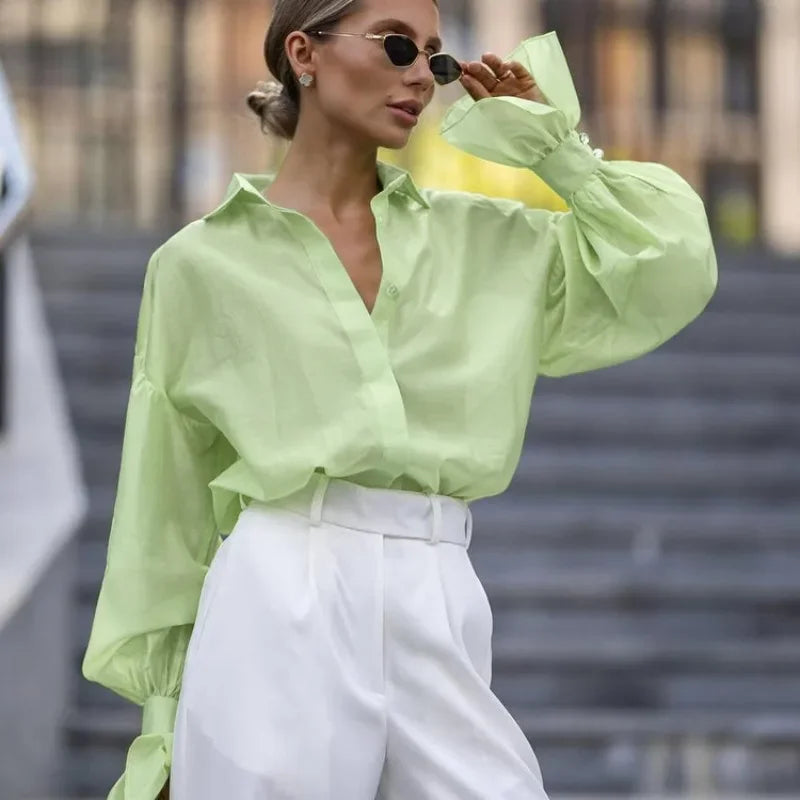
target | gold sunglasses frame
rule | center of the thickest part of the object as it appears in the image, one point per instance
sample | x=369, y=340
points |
x=382, y=38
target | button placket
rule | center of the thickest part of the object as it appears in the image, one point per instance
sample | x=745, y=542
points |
x=379, y=209
x=367, y=333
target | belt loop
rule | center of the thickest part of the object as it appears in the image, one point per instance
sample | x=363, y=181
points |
x=437, y=519
x=316, y=501
x=469, y=525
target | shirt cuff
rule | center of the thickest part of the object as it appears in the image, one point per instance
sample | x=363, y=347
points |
x=520, y=132
x=568, y=166
x=158, y=714
x=149, y=758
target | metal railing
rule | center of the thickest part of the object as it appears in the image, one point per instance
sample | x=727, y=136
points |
x=16, y=194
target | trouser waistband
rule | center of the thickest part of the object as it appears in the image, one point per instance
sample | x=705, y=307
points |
x=392, y=512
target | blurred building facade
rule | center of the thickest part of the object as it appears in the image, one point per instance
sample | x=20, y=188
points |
x=133, y=110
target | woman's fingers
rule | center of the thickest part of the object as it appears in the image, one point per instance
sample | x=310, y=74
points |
x=493, y=77
x=482, y=73
x=475, y=88
x=494, y=62
x=501, y=69
x=506, y=69
x=518, y=70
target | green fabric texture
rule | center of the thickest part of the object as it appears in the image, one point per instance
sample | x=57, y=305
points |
x=257, y=363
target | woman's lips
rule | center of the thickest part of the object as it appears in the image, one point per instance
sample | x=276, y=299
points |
x=404, y=116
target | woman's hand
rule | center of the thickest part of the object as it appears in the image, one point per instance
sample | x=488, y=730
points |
x=493, y=77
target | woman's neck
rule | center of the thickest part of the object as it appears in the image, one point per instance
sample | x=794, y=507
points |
x=332, y=179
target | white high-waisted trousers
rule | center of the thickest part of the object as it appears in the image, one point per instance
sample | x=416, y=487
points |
x=342, y=651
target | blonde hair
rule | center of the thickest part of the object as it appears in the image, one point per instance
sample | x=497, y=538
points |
x=277, y=103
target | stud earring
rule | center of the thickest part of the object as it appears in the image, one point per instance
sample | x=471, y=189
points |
x=306, y=79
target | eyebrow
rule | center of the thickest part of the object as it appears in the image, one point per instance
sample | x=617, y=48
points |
x=404, y=27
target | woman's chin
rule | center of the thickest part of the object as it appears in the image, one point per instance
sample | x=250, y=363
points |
x=395, y=140
x=394, y=145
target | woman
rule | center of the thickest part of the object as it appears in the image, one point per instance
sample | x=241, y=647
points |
x=329, y=368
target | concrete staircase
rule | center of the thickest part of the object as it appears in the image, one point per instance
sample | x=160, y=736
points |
x=643, y=567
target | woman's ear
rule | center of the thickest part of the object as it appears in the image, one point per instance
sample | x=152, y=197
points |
x=301, y=52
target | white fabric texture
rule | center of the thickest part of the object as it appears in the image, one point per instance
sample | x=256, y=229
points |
x=342, y=651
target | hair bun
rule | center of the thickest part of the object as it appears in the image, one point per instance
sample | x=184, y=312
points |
x=262, y=94
x=272, y=104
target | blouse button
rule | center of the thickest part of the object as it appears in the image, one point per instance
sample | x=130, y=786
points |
x=598, y=152
x=392, y=290
x=584, y=137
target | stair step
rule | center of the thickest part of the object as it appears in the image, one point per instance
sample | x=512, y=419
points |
x=91, y=273
x=583, y=724
x=532, y=623
x=110, y=315
x=661, y=422
x=596, y=688
x=519, y=582
x=98, y=361
x=750, y=290
x=641, y=672
x=666, y=375
x=676, y=654
x=597, y=556
x=517, y=518
x=750, y=332
x=109, y=237
x=764, y=476
x=98, y=403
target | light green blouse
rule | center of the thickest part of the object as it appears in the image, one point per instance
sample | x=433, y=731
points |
x=257, y=362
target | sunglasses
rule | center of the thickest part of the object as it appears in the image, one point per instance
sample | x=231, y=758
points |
x=403, y=52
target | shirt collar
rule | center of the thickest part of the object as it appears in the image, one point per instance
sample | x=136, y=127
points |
x=249, y=187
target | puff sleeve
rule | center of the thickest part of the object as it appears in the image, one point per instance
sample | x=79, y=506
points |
x=162, y=539
x=631, y=263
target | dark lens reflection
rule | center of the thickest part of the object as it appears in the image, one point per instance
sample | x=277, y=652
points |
x=401, y=50
x=445, y=68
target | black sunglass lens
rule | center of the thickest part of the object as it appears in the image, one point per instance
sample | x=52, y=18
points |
x=445, y=68
x=401, y=50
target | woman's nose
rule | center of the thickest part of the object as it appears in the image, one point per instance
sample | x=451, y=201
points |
x=420, y=71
